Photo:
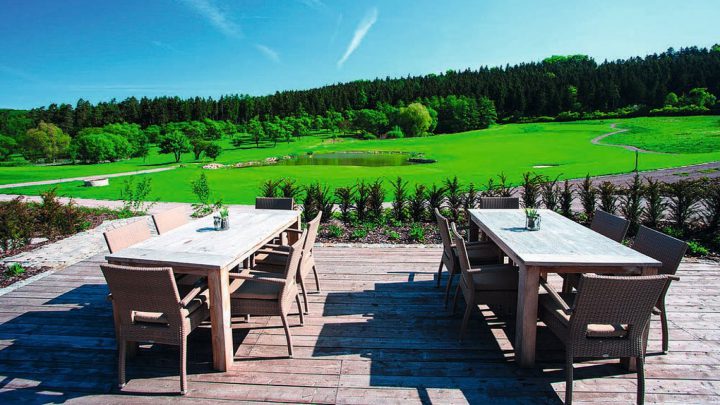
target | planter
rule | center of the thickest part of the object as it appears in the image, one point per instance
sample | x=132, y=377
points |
x=97, y=183
x=532, y=223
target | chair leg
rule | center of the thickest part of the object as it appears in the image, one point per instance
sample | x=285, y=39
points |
x=122, y=348
x=183, y=366
x=466, y=319
x=304, y=293
x=283, y=317
x=317, y=279
x=300, y=311
x=568, y=379
x=641, y=380
x=439, y=277
x=664, y=322
x=455, y=298
x=451, y=275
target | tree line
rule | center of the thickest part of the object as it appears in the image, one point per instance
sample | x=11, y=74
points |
x=558, y=84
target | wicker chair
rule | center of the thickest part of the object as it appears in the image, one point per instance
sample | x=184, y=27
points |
x=147, y=308
x=479, y=252
x=492, y=284
x=272, y=258
x=610, y=226
x=125, y=236
x=606, y=224
x=170, y=219
x=269, y=294
x=273, y=203
x=608, y=317
x=505, y=203
x=669, y=251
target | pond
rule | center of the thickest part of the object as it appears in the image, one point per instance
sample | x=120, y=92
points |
x=350, y=159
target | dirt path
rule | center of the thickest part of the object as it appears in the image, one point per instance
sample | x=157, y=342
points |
x=596, y=141
x=102, y=176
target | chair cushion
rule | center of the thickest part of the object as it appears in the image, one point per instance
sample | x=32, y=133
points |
x=160, y=318
x=256, y=291
x=495, y=277
x=593, y=330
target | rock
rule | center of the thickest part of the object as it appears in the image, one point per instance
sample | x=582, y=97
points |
x=35, y=241
x=213, y=166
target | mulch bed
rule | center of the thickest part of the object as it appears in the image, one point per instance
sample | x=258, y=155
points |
x=6, y=280
x=376, y=233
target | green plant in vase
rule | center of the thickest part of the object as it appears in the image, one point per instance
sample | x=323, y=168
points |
x=532, y=219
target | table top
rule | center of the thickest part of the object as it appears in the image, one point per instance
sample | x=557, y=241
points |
x=198, y=245
x=559, y=241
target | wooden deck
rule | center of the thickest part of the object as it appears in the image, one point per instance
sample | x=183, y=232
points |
x=376, y=334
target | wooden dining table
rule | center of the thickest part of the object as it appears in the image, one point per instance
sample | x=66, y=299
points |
x=197, y=248
x=559, y=246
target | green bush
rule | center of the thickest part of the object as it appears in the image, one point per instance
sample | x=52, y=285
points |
x=696, y=249
x=395, y=133
x=392, y=235
x=335, y=231
x=56, y=218
x=416, y=233
x=418, y=203
x=14, y=270
x=588, y=197
x=399, y=198
x=343, y=198
x=16, y=224
x=376, y=197
x=608, y=197
x=454, y=195
x=358, y=233
x=631, y=203
x=360, y=200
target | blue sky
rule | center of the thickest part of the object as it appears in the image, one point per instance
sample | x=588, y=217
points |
x=59, y=51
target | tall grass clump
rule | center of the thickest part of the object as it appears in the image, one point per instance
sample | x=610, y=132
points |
x=360, y=200
x=588, y=197
x=270, y=188
x=631, y=203
x=418, y=203
x=566, y=199
x=399, y=198
x=711, y=205
x=471, y=196
x=549, y=193
x=654, y=203
x=289, y=189
x=376, y=196
x=454, y=195
x=683, y=197
x=344, y=197
x=531, y=189
x=608, y=197
x=435, y=199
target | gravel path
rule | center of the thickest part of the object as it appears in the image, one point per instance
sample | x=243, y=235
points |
x=596, y=141
x=102, y=176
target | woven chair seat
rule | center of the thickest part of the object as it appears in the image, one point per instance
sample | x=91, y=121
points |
x=160, y=318
x=496, y=277
x=257, y=291
x=593, y=330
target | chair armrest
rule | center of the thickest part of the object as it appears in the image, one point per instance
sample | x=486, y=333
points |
x=199, y=286
x=555, y=296
x=673, y=278
x=273, y=252
x=258, y=279
x=293, y=230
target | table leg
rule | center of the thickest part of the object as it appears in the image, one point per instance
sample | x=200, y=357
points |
x=222, y=344
x=473, y=231
x=526, y=318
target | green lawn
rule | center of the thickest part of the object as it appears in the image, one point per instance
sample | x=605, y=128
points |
x=472, y=156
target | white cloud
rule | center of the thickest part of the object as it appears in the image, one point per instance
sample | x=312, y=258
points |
x=219, y=19
x=360, y=32
x=268, y=52
x=316, y=4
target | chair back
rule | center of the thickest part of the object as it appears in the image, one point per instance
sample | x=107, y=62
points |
x=292, y=266
x=444, y=229
x=609, y=225
x=274, y=203
x=125, y=236
x=463, y=258
x=141, y=289
x=614, y=300
x=170, y=219
x=311, y=233
x=663, y=248
x=504, y=203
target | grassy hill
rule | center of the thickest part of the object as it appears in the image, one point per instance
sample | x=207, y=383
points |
x=563, y=149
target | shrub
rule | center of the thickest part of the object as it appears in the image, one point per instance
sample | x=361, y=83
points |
x=711, y=205
x=201, y=189
x=343, y=198
x=395, y=133
x=631, y=203
x=135, y=196
x=56, y=218
x=683, y=196
x=531, y=189
x=335, y=231
x=289, y=189
x=399, y=198
x=14, y=270
x=317, y=199
x=504, y=189
x=588, y=197
x=608, y=197
x=360, y=200
x=358, y=233
x=490, y=188
x=655, y=209
x=696, y=249
x=435, y=199
x=416, y=233
x=549, y=193
x=471, y=197
x=392, y=235
x=376, y=197
x=270, y=188
x=418, y=203
x=310, y=205
x=213, y=150
x=566, y=200
x=16, y=224
x=454, y=195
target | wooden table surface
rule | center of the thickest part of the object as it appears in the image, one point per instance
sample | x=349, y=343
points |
x=197, y=248
x=559, y=246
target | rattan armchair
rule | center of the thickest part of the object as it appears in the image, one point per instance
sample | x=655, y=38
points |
x=606, y=224
x=127, y=235
x=669, y=251
x=479, y=252
x=170, y=219
x=147, y=308
x=608, y=317
x=491, y=284
x=272, y=258
x=269, y=294
x=505, y=203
